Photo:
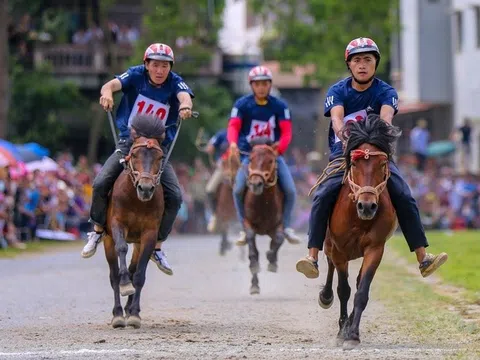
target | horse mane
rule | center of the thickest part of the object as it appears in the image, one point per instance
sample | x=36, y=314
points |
x=148, y=126
x=373, y=131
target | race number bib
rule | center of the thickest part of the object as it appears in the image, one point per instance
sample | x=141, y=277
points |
x=146, y=106
x=262, y=130
x=356, y=116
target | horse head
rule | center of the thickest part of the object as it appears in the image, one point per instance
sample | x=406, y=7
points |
x=262, y=169
x=144, y=161
x=370, y=146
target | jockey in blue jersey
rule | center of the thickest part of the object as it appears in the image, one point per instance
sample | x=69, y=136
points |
x=151, y=88
x=261, y=116
x=352, y=99
x=217, y=147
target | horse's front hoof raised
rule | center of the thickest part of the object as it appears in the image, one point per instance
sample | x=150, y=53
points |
x=350, y=344
x=127, y=289
x=272, y=267
x=325, y=303
x=134, y=321
x=118, y=322
x=254, y=290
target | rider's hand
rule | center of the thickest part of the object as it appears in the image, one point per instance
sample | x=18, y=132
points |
x=106, y=100
x=275, y=149
x=185, y=113
x=233, y=146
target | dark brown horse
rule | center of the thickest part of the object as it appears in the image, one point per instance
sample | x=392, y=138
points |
x=135, y=211
x=263, y=208
x=225, y=207
x=362, y=220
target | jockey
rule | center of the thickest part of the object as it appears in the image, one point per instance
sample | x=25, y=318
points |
x=261, y=116
x=217, y=147
x=151, y=88
x=352, y=99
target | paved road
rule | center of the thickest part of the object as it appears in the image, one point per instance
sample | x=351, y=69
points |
x=58, y=306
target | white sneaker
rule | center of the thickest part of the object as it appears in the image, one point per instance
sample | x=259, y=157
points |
x=91, y=247
x=212, y=224
x=159, y=258
x=291, y=237
x=242, y=240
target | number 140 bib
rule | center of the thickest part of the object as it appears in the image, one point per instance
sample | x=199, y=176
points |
x=146, y=106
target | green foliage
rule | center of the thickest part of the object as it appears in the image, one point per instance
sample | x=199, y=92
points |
x=214, y=102
x=36, y=100
x=175, y=21
x=318, y=31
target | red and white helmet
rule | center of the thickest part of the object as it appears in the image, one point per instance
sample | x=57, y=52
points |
x=362, y=45
x=260, y=73
x=159, y=52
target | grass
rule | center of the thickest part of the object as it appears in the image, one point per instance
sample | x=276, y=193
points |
x=37, y=247
x=463, y=249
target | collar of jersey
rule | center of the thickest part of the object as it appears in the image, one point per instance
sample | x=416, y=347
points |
x=264, y=102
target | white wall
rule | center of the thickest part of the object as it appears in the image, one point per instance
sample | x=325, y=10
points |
x=409, y=38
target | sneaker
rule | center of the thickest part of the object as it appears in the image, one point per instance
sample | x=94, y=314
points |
x=291, y=237
x=431, y=263
x=308, y=266
x=91, y=247
x=242, y=239
x=212, y=224
x=159, y=258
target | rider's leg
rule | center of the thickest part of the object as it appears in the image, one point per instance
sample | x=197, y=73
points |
x=285, y=180
x=211, y=190
x=173, y=202
x=410, y=223
x=102, y=185
x=238, y=195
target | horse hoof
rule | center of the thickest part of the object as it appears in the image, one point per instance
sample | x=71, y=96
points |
x=350, y=344
x=254, y=290
x=134, y=321
x=325, y=303
x=255, y=269
x=272, y=267
x=127, y=289
x=118, y=322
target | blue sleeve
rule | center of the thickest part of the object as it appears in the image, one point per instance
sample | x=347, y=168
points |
x=180, y=86
x=284, y=112
x=390, y=97
x=237, y=110
x=127, y=79
x=334, y=98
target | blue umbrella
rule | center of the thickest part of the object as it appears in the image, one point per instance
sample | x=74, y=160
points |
x=37, y=149
x=441, y=148
x=11, y=149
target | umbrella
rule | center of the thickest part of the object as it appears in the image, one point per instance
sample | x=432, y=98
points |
x=441, y=148
x=46, y=164
x=4, y=161
x=36, y=149
x=10, y=152
x=28, y=155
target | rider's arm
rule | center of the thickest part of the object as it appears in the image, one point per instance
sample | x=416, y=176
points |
x=285, y=124
x=387, y=113
x=234, y=125
x=185, y=100
x=337, y=113
x=389, y=102
x=111, y=87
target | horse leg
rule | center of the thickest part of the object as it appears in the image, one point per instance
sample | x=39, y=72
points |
x=148, y=241
x=343, y=291
x=131, y=270
x=275, y=243
x=118, y=319
x=121, y=246
x=225, y=245
x=325, y=297
x=371, y=261
x=254, y=264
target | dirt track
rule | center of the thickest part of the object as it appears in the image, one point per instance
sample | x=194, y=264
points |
x=58, y=306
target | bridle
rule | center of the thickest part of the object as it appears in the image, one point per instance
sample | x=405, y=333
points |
x=265, y=175
x=359, y=190
x=135, y=175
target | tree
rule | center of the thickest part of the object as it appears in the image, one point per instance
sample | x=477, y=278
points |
x=318, y=31
x=3, y=67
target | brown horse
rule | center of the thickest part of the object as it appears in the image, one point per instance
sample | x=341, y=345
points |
x=225, y=207
x=263, y=204
x=135, y=211
x=362, y=220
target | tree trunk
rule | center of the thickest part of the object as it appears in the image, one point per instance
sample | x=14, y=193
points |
x=3, y=67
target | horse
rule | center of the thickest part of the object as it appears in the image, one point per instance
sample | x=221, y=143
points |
x=134, y=214
x=263, y=203
x=225, y=207
x=362, y=220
